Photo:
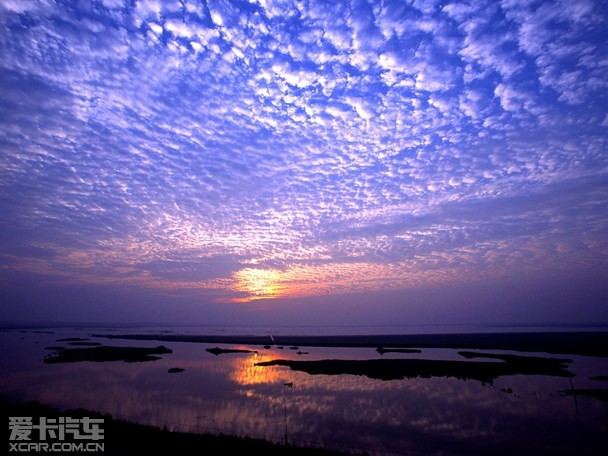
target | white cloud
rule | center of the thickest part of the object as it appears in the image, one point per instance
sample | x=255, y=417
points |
x=444, y=105
x=458, y=11
x=19, y=6
x=433, y=79
x=113, y=4
x=294, y=142
x=156, y=28
x=470, y=103
x=510, y=98
x=180, y=28
x=363, y=108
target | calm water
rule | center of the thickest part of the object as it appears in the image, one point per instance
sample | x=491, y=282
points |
x=229, y=394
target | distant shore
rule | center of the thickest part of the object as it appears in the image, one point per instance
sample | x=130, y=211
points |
x=572, y=343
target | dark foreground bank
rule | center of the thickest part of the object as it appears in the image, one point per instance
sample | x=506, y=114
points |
x=124, y=438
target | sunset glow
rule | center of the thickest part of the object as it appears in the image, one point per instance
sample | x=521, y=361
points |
x=366, y=158
x=258, y=284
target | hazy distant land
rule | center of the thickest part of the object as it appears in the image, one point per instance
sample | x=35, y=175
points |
x=573, y=343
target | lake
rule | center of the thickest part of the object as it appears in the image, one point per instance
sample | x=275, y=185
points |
x=230, y=393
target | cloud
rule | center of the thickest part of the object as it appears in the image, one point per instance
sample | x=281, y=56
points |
x=511, y=99
x=558, y=38
x=113, y=4
x=353, y=147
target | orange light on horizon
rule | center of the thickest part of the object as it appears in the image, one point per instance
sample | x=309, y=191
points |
x=258, y=284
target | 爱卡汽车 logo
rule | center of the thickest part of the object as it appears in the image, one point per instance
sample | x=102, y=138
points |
x=62, y=434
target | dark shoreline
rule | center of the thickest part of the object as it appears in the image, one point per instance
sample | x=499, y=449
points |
x=396, y=369
x=101, y=354
x=571, y=343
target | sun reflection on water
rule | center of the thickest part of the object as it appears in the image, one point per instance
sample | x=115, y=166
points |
x=247, y=373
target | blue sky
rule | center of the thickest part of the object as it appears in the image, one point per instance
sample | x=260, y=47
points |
x=277, y=160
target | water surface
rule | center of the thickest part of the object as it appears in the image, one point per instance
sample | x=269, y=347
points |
x=230, y=394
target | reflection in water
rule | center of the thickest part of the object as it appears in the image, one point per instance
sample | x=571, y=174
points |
x=230, y=394
x=246, y=372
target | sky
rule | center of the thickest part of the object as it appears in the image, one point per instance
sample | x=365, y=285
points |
x=364, y=162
